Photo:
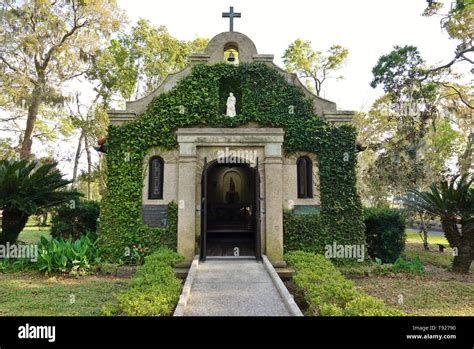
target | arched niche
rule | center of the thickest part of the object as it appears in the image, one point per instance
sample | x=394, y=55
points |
x=226, y=86
x=231, y=53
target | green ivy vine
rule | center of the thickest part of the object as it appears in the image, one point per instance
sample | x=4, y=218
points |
x=268, y=100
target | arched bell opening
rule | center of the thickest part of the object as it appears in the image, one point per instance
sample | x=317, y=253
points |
x=231, y=53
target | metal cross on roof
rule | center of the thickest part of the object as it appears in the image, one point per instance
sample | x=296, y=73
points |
x=231, y=15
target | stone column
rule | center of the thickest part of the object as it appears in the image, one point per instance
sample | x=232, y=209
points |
x=187, y=200
x=274, y=203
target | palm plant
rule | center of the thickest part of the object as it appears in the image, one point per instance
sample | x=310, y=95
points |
x=453, y=202
x=27, y=186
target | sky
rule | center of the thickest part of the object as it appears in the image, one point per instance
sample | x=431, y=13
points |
x=368, y=28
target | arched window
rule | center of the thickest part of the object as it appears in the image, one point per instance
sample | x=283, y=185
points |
x=155, y=178
x=304, y=168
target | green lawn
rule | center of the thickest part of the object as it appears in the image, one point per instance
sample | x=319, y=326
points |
x=33, y=294
x=423, y=296
x=413, y=236
x=31, y=234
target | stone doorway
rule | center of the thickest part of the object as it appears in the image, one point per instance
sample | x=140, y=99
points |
x=230, y=196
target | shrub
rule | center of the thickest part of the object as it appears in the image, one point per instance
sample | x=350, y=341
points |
x=140, y=241
x=415, y=266
x=153, y=291
x=26, y=187
x=385, y=233
x=328, y=292
x=363, y=305
x=304, y=232
x=58, y=255
x=77, y=221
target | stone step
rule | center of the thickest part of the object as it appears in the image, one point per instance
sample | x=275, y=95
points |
x=285, y=273
x=181, y=273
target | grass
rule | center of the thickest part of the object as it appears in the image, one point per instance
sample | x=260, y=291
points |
x=414, y=237
x=438, y=292
x=422, y=296
x=31, y=294
x=31, y=234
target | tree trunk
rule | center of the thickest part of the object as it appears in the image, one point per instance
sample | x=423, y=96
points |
x=461, y=243
x=13, y=222
x=424, y=232
x=462, y=262
x=31, y=122
x=89, y=167
x=77, y=157
x=465, y=161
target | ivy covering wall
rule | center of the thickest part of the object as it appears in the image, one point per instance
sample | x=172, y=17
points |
x=195, y=102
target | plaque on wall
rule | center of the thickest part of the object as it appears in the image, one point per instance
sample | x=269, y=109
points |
x=155, y=216
x=306, y=209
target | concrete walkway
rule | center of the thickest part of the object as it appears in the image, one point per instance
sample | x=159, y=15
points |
x=235, y=288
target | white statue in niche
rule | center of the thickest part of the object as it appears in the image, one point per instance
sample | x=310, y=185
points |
x=231, y=105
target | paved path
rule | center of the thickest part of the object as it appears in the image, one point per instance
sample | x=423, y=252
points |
x=234, y=288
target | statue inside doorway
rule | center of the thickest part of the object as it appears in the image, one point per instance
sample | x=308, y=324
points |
x=232, y=197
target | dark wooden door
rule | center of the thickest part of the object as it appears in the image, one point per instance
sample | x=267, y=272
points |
x=204, y=212
x=258, y=248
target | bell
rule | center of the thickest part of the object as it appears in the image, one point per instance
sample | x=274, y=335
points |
x=231, y=57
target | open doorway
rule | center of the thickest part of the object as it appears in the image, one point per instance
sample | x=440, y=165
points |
x=230, y=220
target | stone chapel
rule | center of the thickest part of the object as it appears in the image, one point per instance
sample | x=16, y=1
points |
x=231, y=185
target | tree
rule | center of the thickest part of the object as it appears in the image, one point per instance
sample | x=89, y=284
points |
x=135, y=63
x=91, y=121
x=25, y=188
x=132, y=65
x=453, y=202
x=458, y=24
x=46, y=43
x=312, y=65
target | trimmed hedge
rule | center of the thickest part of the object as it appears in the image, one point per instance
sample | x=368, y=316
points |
x=267, y=99
x=385, y=233
x=153, y=291
x=328, y=292
x=75, y=222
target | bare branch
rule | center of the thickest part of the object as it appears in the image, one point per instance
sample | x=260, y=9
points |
x=459, y=94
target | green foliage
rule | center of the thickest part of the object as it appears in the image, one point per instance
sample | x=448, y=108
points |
x=453, y=202
x=61, y=256
x=300, y=58
x=328, y=292
x=363, y=305
x=446, y=199
x=415, y=266
x=75, y=221
x=304, y=232
x=26, y=187
x=266, y=98
x=385, y=233
x=396, y=70
x=154, y=290
x=47, y=43
x=125, y=244
x=135, y=63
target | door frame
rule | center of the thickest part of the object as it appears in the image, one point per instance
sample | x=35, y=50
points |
x=257, y=211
